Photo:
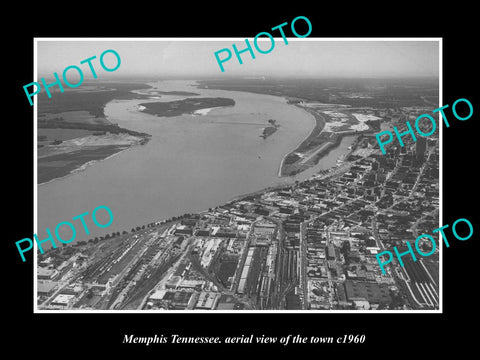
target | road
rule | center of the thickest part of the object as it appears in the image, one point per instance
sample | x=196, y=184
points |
x=303, y=266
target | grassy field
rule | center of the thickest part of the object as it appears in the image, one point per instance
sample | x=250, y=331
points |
x=93, y=101
x=186, y=106
x=313, y=139
x=45, y=137
x=77, y=114
x=57, y=166
x=293, y=163
x=73, y=117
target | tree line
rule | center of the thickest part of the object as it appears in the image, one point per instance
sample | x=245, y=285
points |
x=59, y=123
x=133, y=230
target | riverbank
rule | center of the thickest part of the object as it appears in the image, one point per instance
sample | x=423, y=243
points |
x=331, y=126
x=190, y=163
x=185, y=106
x=72, y=156
x=73, y=133
x=289, y=164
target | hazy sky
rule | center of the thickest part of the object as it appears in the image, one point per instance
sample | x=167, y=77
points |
x=309, y=57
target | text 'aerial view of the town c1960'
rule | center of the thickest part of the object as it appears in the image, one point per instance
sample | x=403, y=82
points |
x=262, y=188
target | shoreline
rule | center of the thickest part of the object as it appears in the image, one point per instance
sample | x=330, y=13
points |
x=87, y=164
x=316, y=127
x=122, y=91
x=290, y=178
x=188, y=106
x=321, y=150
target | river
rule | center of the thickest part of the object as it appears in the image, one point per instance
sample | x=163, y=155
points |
x=191, y=163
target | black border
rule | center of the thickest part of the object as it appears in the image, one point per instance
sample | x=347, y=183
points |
x=386, y=333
